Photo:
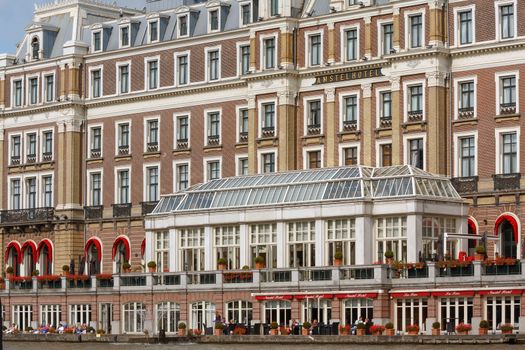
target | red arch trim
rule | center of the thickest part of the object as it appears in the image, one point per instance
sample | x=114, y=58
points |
x=511, y=220
x=16, y=246
x=472, y=225
x=97, y=244
x=126, y=245
x=143, y=247
x=31, y=245
x=49, y=246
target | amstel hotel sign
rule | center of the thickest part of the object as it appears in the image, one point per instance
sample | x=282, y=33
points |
x=347, y=76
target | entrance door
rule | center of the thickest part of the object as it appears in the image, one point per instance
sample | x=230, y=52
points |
x=508, y=244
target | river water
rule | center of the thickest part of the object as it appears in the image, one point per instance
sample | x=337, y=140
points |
x=95, y=346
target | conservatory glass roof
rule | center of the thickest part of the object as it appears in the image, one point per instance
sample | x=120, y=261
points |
x=319, y=185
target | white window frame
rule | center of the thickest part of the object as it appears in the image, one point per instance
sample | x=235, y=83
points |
x=408, y=31
x=175, y=126
x=206, y=161
x=50, y=309
x=343, y=146
x=10, y=146
x=148, y=34
x=117, y=135
x=133, y=312
x=41, y=192
x=238, y=158
x=145, y=189
x=28, y=90
x=207, y=113
x=176, y=56
x=241, y=4
x=127, y=25
x=45, y=75
x=90, y=133
x=42, y=143
x=210, y=10
x=176, y=163
x=457, y=95
x=24, y=310
x=342, y=107
x=10, y=178
x=262, y=53
x=306, y=112
x=26, y=144
x=260, y=109
x=343, y=43
x=497, y=6
x=147, y=60
x=116, y=198
x=91, y=69
x=380, y=36
x=457, y=151
x=188, y=17
x=22, y=94
x=239, y=46
x=238, y=110
x=498, y=76
x=308, y=49
x=146, y=131
x=406, y=149
x=499, y=160
x=118, y=77
x=406, y=97
x=457, y=24
x=307, y=150
x=93, y=32
x=207, y=51
x=171, y=307
x=260, y=160
x=89, y=185
x=379, y=103
x=379, y=144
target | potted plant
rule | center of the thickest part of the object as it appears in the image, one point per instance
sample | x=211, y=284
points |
x=480, y=253
x=338, y=258
x=389, y=328
x=506, y=328
x=35, y=273
x=273, y=328
x=360, y=329
x=219, y=327
x=377, y=329
x=483, y=327
x=65, y=270
x=463, y=328
x=260, y=262
x=126, y=266
x=306, y=328
x=222, y=264
x=182, y=329
x=344, y=329
x=436, y=328
x=412, y=329
x=152, y=266
x=389, y=256
x=9, y=272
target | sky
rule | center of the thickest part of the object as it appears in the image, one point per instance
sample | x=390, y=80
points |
x=16, y=15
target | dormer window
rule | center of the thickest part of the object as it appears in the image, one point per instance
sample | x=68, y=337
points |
x=35, y=48
x=97, y=41
x=274, y=8
x=153, y=31
x=183, y=26
x=214, y=20
x=124, y=36
x=246, y=14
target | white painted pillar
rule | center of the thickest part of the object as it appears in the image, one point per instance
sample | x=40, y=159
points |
x=414, y=238
x=281, y=245
x=364, y=237
x=148, y=252
x=462, y=227
x=208, y=249
x=173, y=244
x=320, y=239
x=244, y=242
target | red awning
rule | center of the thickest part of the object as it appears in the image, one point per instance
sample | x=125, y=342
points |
x=42, y=244
x=511, y=220
x=124, y=241
x=32, y=246
x=459, y=293
x=97, y=244
x=273, y=297
x=143, y=247
x=16, y=246
x=501, y=292
x=410, y=294
x=313, y=296
x=356, y=296
x=472, y=226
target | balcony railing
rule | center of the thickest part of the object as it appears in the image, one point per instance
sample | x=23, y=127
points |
x=147, y=207
x=507, y=108
x=94, y=212
x=202, y=278
x=31, y=158
x=415, y=116
x=412, y=273
x=214, y=140
x=356, y=273
x=276, y=276
x=95, y=153
x=268, y=131
x=465, y=184
x=182, y=144
x=458, y=271
x=167, y=280
x=501, y=270
x=350, y=125
x=385, y=122
x=466, y=113
x=504, y=182
x=243, y=137
x=133, y=281
x=15, y=160
x=81, y=284
x=47, y=156
x=123, y=150
x=121, y=210
x=152, y=147
x=25, y=216
x=238, y=277
x=315, y=275
x=314, y=129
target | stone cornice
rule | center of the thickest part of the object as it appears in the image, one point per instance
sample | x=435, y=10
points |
x=487, y=49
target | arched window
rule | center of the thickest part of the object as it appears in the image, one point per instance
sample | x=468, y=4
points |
x=93, y=256
x=202, y=315
x=28, y=258
x=45, y=257
x=168, y=316
x=35, y=48
x=472, y=230
x=239, y=311
x=120, y=253
x=133, y=315
x=506, y=227
x=13, y=257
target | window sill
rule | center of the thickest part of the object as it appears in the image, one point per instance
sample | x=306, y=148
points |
x=123, y=157
x=182, y=150
x=507, y=117
x=459, y=122
x=209, y=148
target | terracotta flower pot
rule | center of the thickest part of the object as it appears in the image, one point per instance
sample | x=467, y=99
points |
x=479, y=257
x=483, y=331
x=390, y=332
x=273, y=331
x=259, y=266
x=436, y=331
x=343, y=332
x=217, y=332
x=152, y=269
x=463, y=333
x=413, y=332
x=305, y=331
x=360, y=332
x=222, y=267
x=338, y=262
x=377, y=333
x=389, y=261
x=506, y=332
x=182, y=332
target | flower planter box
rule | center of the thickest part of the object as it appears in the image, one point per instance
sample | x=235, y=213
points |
x=413, y=332
x=217, y=332
x=390, y=332
x=483, y=331
x=305, y=331
x=506, y=332
x=182, y=332
x=436, y=331
x=360, y=332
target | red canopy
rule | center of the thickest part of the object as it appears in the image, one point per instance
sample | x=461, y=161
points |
x=460, y=293
x=356, y=296
x=501, y=292
x=313, y=296
x=97, y=244
x=274, y=297
x=472, y=226
x=31, y=245
x=410, y=294
x=41, y=245
x=143, y=247
x=511, y=220
x=124, y=241
x=16, y=246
